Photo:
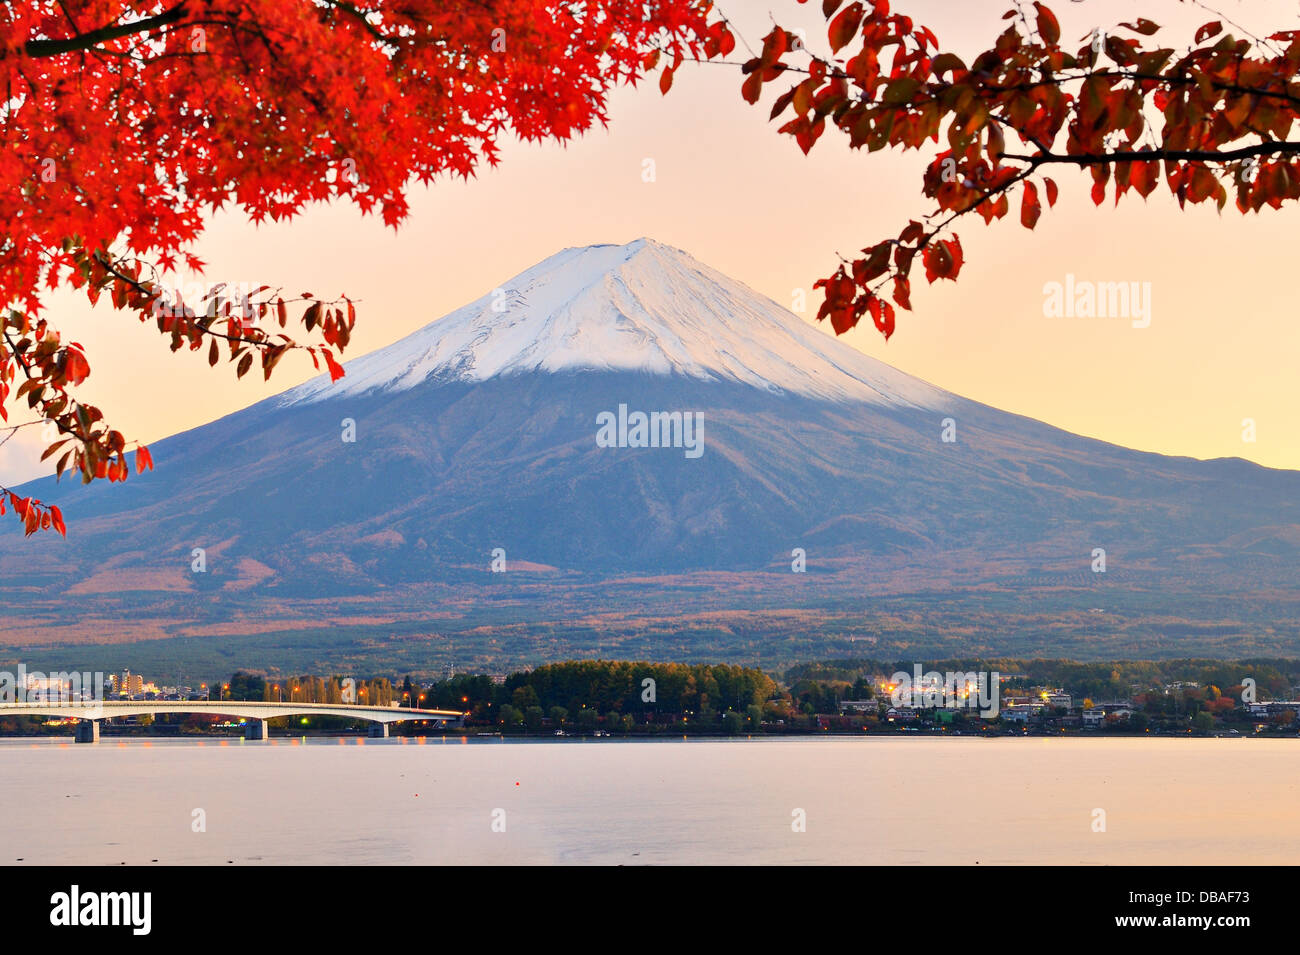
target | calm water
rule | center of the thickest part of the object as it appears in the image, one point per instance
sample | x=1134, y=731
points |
x=872, y=801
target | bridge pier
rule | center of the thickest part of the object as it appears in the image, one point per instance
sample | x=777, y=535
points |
x=257, y=729
x=88, y=731
x=377, y=731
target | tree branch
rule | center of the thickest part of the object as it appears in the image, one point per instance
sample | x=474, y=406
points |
x=1156, y=155
x=86, y=41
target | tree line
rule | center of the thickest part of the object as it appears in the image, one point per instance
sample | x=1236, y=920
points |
x=377, y=691
x=1100, y=680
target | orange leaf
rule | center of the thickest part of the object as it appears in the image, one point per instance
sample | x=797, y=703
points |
x=903, y=292
x=1048, y=28
x=1213, y=28
x=75, y=367
x=1030, y=208
x=845, y=26
x=942, y=259
x=336, y=370
x=312, y=316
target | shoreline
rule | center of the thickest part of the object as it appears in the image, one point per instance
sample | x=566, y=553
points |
x=344, y=739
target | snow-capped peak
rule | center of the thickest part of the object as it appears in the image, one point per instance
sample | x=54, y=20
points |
x=643, y=307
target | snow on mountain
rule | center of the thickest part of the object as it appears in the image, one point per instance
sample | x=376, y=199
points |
x=643, y=307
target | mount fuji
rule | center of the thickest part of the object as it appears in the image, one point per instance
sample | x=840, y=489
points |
x=641, y=307
x=362, y=520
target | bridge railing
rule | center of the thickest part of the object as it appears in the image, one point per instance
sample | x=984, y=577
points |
x=100, y=709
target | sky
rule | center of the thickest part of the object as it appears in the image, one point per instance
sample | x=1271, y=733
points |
x=1222, y=344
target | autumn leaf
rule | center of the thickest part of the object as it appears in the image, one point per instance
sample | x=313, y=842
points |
x=903, y=292
x=76, y=369
x=1030, y=209
x=942, y=259
x=1142, y=26
x=311, y=317
x=1048, y=28
x=335, y=369
x=1211, y=29
x=844, y=27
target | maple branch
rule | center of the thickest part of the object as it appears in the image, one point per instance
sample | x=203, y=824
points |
x=13, y=429
x=1024, y=134
x=361, y=18
x=1155, y=155
x=1059, y=79
x=86, y=41
x=27, y=371
x=974, y=204
x=13, y=350
x=206, y=327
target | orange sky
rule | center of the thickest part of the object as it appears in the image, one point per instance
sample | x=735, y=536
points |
x=1223, y=343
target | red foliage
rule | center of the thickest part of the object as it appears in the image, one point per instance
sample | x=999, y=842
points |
x=126, y=124
x=1228, y=105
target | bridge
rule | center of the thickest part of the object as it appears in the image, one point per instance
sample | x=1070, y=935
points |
x=254, y=713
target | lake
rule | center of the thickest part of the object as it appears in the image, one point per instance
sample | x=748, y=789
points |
x=875, y=801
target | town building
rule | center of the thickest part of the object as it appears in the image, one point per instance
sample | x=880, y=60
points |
x=858, y=706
